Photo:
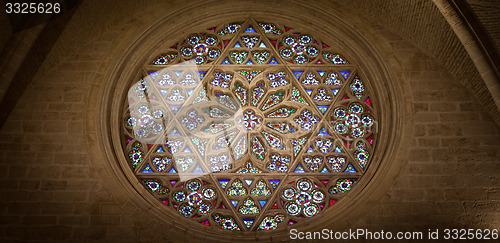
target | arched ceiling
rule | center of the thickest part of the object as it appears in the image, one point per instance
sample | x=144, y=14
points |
x=419, y=22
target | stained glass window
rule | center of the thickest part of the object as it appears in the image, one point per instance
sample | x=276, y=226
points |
x=266, y=126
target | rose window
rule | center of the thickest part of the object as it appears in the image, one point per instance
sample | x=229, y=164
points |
x=249, y=126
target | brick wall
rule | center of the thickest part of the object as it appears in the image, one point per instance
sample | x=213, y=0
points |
x=451, y=178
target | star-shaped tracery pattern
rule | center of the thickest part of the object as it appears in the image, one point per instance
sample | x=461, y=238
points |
x=268, y=126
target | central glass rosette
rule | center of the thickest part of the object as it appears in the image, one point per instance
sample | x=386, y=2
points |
x=249, y=120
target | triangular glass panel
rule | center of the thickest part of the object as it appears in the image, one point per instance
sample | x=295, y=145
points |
x=297, y=74
x=325, y=45
x=335, y=91
x=160, y=150
x=172, y=170
x=249, y=62
x=274, y=183
x=332, y=201
x=324, y=182
x=291, y=222
x=248, y=222
x=189, y=91
x=368, y=102
x=178, y=73
x=175, y=108
x=153, y=75
x=323, y=132
x=337, y=150
x=187, y=150
x=223, y=183
x=273, y=61
x=310, y=150
x=345, y=74
x=250, y=29
x=226, y=62
x=205, y=222
x=308, y=91
x=248, y=182
x=234, y=202
x=262, y=202
x=299, y=169
x=147, y=169
x=173, y=182
x=322, y=108
x=174, y=131
x=202, y=74
x=164, y=92
x=237, y=44
x=197, y=169
x=262, y=45
x=325, y=170
x=350, y=169
x=321, y=73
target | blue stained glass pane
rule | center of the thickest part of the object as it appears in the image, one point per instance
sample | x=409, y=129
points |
x=322, y=108
x=147, y=169
x=250, y=30
x=175, y=108
x=345, y=74
x=273, y=61
x=153, y=75
x=262, y=202
x=299, y=169
x=197, y=169
x=223, y=183
x=172, y=170
x=297, y=74
x=248, y=222
x=274, y=183
x=350, y=169
x=324, y=170
x=202, y=74
x=234, y=202
x=174, y=132
x=323, y=132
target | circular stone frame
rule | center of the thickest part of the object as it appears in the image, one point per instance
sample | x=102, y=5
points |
x=138, y=48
